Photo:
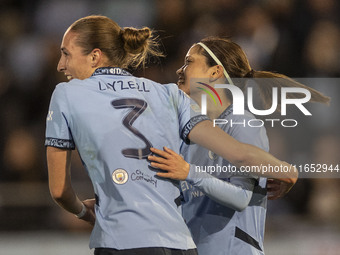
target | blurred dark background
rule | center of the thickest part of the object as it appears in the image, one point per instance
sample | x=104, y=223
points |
x=299, y=38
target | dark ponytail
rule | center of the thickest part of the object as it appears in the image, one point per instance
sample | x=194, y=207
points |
x=237, y=65
x=269, y=80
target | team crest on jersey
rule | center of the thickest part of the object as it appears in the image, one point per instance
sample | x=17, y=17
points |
x=120, y=176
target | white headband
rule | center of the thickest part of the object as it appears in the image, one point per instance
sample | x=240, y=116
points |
x=217, y=61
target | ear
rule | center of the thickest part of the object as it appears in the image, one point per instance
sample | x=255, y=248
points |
x=96, y=57
x=216, y=73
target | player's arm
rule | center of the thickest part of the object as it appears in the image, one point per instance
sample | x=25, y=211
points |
x=59, y=178
x=237, y=153
x=235, y=195
x=240, y=154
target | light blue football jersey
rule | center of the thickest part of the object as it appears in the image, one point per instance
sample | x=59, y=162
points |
x=218, y=229
x=113, y=118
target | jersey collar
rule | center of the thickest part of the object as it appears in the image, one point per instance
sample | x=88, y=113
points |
x=226, y=112
x=110, y=71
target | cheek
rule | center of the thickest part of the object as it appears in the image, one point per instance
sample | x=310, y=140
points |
x=69, y=63
x=78, y=64
x=192, y=73
x=84, y=69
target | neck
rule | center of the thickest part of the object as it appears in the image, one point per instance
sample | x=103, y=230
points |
x=213, y=110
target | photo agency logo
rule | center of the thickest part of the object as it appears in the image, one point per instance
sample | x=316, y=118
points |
x=302, y=96
x=204, y=96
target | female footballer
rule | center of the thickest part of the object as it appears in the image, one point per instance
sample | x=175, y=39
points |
x=224, y=210
x=114, y=119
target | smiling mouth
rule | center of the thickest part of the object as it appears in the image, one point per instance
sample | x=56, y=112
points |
x=69, y=77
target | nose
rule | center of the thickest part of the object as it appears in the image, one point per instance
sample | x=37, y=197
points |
x=61, y=65
x=180, y=70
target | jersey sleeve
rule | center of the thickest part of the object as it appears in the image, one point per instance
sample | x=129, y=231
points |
x=235, y=194
x=58, y=133
x=189, y=115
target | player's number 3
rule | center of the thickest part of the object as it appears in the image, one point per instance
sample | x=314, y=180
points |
x=137, y=108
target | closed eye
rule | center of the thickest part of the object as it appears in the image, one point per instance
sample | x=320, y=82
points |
x=64, y=52
x=187, y=62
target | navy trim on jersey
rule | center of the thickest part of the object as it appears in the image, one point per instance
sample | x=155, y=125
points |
x=96, y=198
x=190, y=125
x=258, y=192
x=60, y=143
x=240, y=234
x=178, y=200
x=111, y=70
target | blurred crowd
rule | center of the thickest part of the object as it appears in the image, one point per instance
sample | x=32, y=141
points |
x=299, y=38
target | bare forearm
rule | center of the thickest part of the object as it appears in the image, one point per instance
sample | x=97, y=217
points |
x=59, y=179
x=69, y=201
x=261, y=163
x=240, y=154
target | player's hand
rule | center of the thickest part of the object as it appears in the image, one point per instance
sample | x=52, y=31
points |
x=173, y=165
x=90, y=215
x=277, y=189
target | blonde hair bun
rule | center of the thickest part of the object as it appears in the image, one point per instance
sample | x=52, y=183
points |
x=135, y=40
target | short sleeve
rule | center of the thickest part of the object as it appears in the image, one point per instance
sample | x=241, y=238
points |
x=189, y=115
x=58, y=132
